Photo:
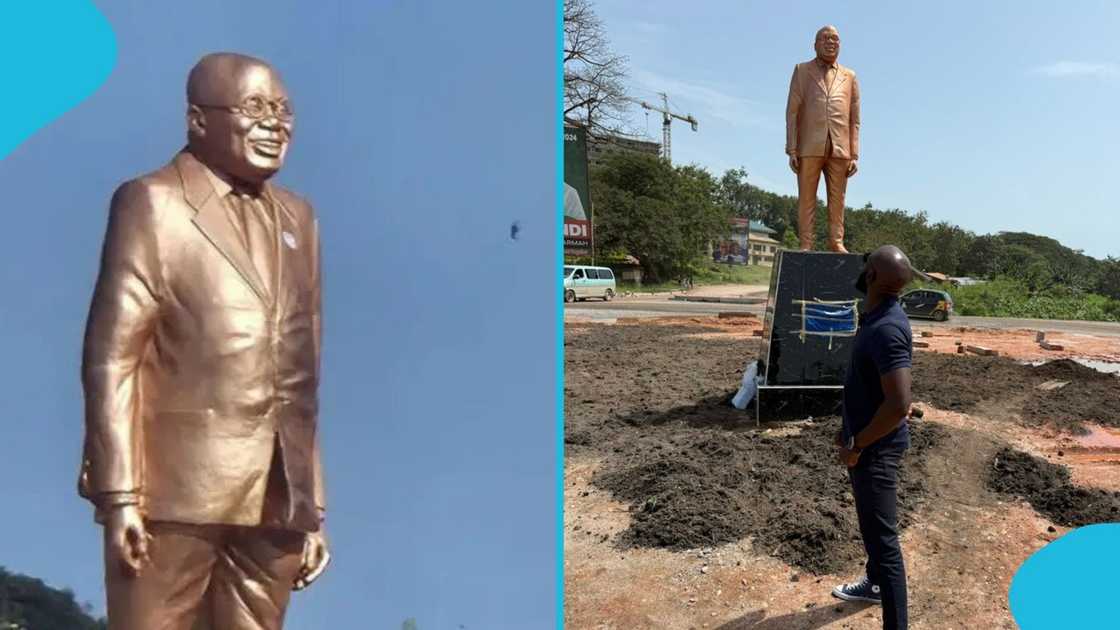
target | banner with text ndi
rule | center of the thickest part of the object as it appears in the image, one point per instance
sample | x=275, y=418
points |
x=577, y=194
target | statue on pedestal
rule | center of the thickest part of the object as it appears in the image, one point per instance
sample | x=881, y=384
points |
x=822, y=135
x=201, y=372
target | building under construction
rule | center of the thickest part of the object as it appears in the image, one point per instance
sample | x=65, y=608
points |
x=599, y=147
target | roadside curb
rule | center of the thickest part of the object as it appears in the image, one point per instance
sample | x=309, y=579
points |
x=719, y=300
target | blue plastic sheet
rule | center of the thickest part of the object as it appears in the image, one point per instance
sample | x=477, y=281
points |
x=830, y=318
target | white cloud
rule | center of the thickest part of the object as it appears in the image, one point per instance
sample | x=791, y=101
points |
x=1077, y=69
x=704, y=100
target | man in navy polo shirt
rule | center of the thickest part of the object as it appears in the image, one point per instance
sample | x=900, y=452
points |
x=875, y=435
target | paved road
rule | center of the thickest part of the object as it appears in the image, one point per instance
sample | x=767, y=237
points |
x=662, y=307
x=653, y=308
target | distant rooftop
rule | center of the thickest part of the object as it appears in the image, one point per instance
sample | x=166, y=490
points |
x=756, y=226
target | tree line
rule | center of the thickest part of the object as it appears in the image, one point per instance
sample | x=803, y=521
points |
x=27, y=603
x=667, y=215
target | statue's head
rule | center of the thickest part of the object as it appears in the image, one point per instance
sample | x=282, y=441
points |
x=239, y=120
x=827, y=44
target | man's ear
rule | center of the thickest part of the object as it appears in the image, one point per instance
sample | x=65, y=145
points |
x=196, y=121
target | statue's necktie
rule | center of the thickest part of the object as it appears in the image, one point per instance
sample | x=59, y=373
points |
x=256, y=228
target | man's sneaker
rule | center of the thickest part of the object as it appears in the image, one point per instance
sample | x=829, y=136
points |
x=861, y=591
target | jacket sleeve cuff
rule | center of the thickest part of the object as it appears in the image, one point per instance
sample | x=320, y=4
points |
x=109, y=500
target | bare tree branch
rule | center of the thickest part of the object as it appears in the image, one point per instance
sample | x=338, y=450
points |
x=594, y=76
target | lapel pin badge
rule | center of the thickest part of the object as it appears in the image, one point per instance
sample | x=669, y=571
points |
x=290, y=239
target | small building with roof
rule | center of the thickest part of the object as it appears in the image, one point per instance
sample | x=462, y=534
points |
x=750, y=243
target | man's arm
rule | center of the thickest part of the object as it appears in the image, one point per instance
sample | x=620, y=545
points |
x=316, y=555
x=120, y=323
x=317, y=314
x=892, y=355
x=895, y=407
x=853, y=119
x=793, y=110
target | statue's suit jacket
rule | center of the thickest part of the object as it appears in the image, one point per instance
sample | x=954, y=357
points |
x=814, y=112
x=197, y=372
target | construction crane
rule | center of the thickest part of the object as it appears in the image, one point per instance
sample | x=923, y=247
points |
x=667, y=117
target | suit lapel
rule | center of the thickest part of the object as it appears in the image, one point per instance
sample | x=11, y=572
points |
x=841, y=76
x=211, y=218
x=289, y=243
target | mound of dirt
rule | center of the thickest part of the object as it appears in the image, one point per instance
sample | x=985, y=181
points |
x=1090, y=396
x=651, y=403
x=786, y=493
x=963, y=383
x=1068, y=407
x=1068, y=370
x=1048, y=489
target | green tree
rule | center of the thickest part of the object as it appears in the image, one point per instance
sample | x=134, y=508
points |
x=409, y=624
x=789, y=239
x=949, y=245
x=981, y=257
x=736, y=194
x=1026, y=265
x=1064, y=266
x=867, y=228
x=29, y=603
x=1108, y=282
x=778, y=212
x=665, y=216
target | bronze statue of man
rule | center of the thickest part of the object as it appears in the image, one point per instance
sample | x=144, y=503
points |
x=201, y=370
x=822, y=135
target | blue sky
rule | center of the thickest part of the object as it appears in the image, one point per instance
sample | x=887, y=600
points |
x=424, y=130
x=991, y=115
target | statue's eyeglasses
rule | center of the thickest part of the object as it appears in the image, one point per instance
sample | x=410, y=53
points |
x=258, y=108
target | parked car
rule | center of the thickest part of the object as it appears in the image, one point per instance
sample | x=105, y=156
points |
x=738, y=259
x=582, y=282
x=937, y=305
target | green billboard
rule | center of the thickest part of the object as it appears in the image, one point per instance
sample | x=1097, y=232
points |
x=577, y=193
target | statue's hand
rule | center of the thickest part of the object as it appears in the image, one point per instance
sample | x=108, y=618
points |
x=315, y=559
x=128, y=538
x=795, y=164
x=852, y=168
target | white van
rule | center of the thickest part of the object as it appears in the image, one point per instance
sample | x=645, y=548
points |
x=582, y=282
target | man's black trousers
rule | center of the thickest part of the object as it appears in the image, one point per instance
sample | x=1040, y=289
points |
x=875, y=487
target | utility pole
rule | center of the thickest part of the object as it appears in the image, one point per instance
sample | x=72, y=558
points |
x=747, y=211
x=591, y=219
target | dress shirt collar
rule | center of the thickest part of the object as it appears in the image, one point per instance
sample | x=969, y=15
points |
x=823, y=65
x=223, y=186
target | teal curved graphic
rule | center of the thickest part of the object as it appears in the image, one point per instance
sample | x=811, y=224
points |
x=54, y=55
x=1070, y=583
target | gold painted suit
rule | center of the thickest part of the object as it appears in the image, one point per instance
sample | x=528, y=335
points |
x=820, y=113
x=198, y=371
x=822, y=131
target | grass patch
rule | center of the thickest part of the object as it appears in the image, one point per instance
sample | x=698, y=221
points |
x=707, y=275
x=1007, y=297
x=724, y=273
x=658, y=287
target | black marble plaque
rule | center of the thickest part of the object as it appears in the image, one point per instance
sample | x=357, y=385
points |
x=811, y=318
